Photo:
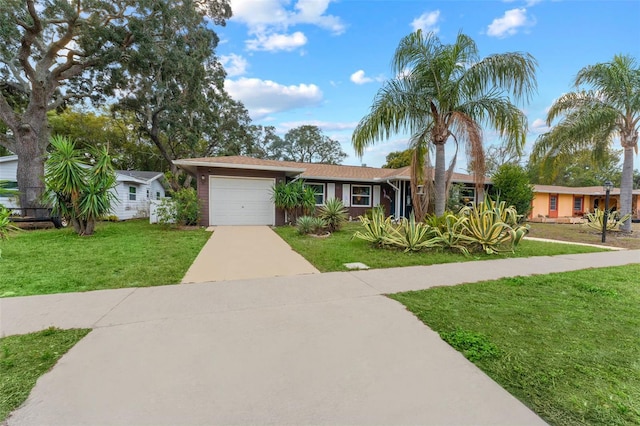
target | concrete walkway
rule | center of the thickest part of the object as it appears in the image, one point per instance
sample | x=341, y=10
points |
x=309, y=349
x=244, y=252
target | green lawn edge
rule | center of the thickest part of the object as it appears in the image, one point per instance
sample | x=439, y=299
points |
x=330, y=254
x=26, y=357
x=565, y=344
x=122, y=254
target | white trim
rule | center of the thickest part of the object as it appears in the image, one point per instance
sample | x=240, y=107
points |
x=187, y=163
x=324, y=191
x=370, y=196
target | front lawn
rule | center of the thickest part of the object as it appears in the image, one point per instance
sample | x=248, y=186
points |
x=329, y=254
x=123, y=254
x=24, y=358
x=567, y=344
x=583, y=234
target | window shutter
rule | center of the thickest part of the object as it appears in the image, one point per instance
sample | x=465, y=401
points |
x=346, y=194
x=376, y=195
x=331, y=190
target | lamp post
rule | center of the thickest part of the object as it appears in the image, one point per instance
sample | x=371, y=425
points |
x=608, y=186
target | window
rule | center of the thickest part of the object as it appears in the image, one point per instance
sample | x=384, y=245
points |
x=158, y=195
x=361, y=195
x=132, y=193
x=318, y=188
x=577, y=204
x=553, y=203
x=11, y=186
x=468, y=196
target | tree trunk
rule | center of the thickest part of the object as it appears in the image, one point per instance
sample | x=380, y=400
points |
x=30, y=174
x=626, y=186
x=440, y=180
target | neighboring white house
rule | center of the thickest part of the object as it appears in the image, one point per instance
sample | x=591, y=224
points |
x=134, y=189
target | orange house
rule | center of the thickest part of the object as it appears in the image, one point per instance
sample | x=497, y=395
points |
x=560, y=203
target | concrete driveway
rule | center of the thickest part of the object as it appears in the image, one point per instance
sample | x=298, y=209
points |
x=244, y=252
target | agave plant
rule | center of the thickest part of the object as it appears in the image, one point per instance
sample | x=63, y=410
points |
x=450, y=233
x=493, y=226
x=595, y=220
x=334, y=213
x=410, y=235
x=376, y=229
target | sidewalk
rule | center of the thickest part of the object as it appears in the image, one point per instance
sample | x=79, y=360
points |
x=318, y=348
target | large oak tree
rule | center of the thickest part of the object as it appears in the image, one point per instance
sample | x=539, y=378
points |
x=65, y=50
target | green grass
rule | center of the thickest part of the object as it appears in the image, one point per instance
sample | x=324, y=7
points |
x=566, y=344
x=329, y=254
x=26, y=357
x=124, y=254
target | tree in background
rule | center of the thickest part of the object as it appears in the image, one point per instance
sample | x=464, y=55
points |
x=398, y=159
x=497, y=155
x=446, y=92
x=84, y=47
x=79, y=184
x=307, y=144
x=579, y=170
x=592, y=119
x=511, y=184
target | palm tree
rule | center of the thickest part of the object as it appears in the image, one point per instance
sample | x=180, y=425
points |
x=592, y=119
x=443, y=92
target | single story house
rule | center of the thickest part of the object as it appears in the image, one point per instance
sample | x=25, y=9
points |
x=236, y=190
x=133, y=191
x=558, y=202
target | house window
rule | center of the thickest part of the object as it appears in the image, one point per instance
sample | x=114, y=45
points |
x=132, y=193
x=318, y=188
x=147, y=194
x=361, y=195
x=577, y=204
x=158, y=195
x=553, y=203
x=468, y=196
x=8, y=185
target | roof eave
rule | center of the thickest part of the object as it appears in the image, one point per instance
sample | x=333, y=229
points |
x=192, y=165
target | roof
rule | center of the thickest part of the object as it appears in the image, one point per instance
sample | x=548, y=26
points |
x=309, y=171
x=136, y=175
x=582, y=190
x=8, y=158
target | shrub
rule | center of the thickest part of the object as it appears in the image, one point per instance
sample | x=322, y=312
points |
x=310, y=225
x=334, y=213
x=595, y=220
x=376, y=229
x=511, y=184
x=294, y=198
x=5, y=225
x=182, y=208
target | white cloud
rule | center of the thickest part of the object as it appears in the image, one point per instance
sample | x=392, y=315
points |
x=359, y=77
x=268, y=21
x=234, y=65
x=276, y=42
x=509, y=24
x=539, y=126
x=426, y=22
x=264, y=97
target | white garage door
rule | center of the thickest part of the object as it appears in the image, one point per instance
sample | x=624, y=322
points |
x=241, y=201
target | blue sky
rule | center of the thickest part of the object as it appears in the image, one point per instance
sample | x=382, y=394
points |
x=321, y=62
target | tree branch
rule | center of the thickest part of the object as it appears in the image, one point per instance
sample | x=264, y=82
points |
x=7, y=113
x=8, y=142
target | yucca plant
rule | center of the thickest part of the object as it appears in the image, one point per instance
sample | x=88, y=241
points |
x=596, y=219
x=334, y=213
x=410, y=235
x=294, y=198
x=79, y=190
x=5, y=225
x=375, y=229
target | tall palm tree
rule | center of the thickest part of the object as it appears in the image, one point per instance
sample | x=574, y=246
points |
x=447, y=92
x=594, y=118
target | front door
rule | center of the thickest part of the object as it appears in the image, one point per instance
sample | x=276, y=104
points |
x=553, y=205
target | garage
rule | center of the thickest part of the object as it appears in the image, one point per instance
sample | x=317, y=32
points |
x=241, y=201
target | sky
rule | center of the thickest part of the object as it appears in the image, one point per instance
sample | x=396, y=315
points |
x=321, y=62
